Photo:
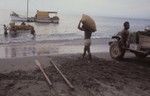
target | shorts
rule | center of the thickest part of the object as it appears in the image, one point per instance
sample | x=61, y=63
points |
x=87, y=42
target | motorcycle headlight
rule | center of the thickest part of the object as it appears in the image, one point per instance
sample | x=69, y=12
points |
x=147, y=28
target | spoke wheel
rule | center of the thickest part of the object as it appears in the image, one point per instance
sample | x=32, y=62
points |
x=116, y=52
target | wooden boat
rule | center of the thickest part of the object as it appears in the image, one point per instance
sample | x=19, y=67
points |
x=14, y=29
x=46, y=17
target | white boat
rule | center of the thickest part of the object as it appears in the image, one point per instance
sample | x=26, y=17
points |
x=46, y=17
x=40, y=17
x=16, y=17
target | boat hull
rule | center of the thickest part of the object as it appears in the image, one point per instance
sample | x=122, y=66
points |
x=21, y=19
x=46, y=21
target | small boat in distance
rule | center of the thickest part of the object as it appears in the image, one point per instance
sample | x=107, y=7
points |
x=46, y=17
x=40, y=17
x=16, y=17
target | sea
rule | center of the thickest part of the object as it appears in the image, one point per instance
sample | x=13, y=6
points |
x=67, y=28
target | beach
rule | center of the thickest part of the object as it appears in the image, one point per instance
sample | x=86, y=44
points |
x=63, y=44
x=20, y=76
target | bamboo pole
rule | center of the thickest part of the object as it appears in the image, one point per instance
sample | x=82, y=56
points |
x=45, y=75
x=66, y=80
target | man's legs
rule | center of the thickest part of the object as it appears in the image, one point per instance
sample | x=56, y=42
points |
x=84, y=52
x=89, y=53
x=87, y=44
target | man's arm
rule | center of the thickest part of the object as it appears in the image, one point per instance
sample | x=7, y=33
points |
x=79, y=26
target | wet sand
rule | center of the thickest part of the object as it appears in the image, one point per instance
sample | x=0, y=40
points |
x=52, y=47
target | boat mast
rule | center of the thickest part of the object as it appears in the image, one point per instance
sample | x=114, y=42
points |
x=27, y=9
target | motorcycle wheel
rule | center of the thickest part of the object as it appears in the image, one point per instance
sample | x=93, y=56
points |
x=116, y=52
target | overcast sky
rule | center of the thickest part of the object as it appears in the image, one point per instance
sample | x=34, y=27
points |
x=125, y=8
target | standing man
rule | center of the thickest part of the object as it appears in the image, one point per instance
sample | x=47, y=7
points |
x=87, y=40
x=125, y=35
x=23, y=23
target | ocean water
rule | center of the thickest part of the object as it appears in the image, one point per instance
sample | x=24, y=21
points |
x=67, y=28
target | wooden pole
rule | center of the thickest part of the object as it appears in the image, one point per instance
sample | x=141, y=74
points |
x=66, y=80
x=39, y=65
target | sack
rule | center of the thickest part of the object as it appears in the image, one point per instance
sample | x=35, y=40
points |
x=88, y=22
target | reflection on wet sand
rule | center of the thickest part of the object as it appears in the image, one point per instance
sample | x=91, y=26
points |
x=50, y=47
x=45, y=49
x=24, y=50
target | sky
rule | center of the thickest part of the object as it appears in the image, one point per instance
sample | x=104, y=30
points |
x=113, y=8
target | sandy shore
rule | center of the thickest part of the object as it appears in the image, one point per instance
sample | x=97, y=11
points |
x=102, y=77
x=19, y=75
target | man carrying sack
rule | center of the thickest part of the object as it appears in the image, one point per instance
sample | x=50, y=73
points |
x=88, y=26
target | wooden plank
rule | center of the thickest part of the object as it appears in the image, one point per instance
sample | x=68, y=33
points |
x=45, y=75
x=144, y=41
x=136, y=51
x=66, y=80
x=143, y=38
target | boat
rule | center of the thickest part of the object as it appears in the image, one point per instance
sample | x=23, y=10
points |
x=46, y=17
x=15, y=29
x=40, y=17
x=16, y=17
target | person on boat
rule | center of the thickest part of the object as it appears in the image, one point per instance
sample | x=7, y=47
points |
x=13, y=29
x=33, y=32
x=5, y=30
x=23, y=23
x=125, y=35
x=87, y=40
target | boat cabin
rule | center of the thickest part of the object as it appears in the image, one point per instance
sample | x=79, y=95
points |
x=46, y=17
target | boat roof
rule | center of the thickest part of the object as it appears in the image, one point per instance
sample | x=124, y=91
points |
x=46, y=12
x=52, y=12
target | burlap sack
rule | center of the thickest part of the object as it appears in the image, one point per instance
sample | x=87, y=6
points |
x=88, y=22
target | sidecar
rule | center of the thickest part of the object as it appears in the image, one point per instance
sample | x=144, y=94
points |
x=139, y=44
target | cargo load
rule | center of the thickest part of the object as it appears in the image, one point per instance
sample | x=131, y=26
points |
x=88, y=22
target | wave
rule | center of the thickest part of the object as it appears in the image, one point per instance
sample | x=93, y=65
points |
x=43, y=37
